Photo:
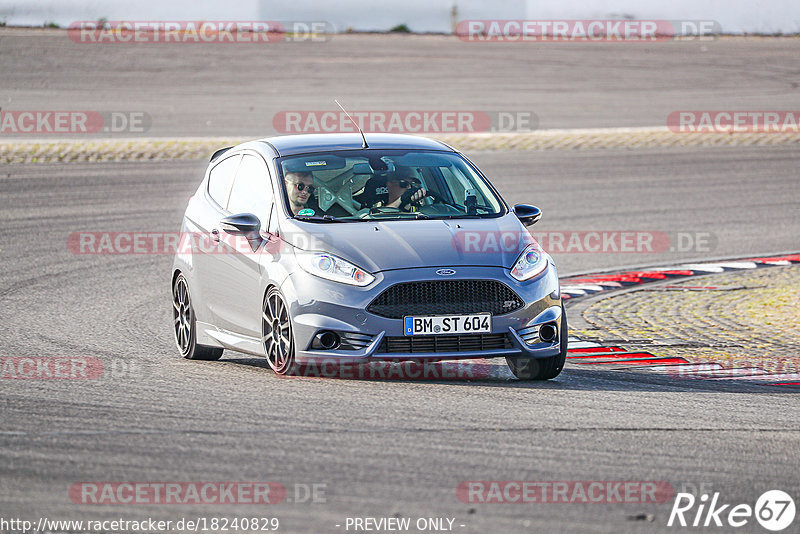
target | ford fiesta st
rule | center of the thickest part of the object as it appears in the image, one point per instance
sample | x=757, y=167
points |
x=356, y=249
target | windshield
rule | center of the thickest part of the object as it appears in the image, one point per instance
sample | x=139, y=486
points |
x=372, y=184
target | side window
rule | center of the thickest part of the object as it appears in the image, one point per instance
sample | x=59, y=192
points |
x=252, y=192
x=456, y=184
x=221, y=178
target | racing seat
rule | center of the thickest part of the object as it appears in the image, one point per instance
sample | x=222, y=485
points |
x=374, y=191
x=335, y=194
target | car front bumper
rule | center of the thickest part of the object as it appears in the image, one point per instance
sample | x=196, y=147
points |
x=318, y=305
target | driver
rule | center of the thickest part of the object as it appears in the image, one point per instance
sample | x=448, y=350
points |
x=404, y=190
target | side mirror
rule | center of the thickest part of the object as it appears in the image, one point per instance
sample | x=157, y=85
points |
x=245, y=224
x=527, y=214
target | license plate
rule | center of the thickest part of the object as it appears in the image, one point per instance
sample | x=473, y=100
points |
x=478, y=323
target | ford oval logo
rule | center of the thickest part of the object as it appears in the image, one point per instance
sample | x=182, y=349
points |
x=445, y=272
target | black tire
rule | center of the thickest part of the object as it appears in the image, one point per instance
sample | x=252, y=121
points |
x=185, y=325
x=542, y=368
x=277, y=333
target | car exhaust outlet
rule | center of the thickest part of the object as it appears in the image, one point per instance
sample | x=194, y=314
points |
x=547, y=332
x=327, y=339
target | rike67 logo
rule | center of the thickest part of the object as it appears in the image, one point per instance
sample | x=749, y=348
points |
x=774, y=510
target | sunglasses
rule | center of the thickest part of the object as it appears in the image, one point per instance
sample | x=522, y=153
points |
x=301, y=186
x=404, y=184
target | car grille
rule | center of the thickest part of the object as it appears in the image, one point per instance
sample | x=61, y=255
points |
x=460, y=343
x=445, y=297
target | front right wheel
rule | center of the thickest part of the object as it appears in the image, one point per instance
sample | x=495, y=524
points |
x=542, y=368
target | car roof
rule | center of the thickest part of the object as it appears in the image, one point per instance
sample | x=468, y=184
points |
x=288, y=145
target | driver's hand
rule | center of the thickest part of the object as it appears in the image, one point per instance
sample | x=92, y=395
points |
x=418, y=195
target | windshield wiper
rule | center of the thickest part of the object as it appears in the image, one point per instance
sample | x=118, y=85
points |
x=323, y=219
x=460, y=216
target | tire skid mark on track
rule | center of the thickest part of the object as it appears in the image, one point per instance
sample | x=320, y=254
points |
x=26, y=283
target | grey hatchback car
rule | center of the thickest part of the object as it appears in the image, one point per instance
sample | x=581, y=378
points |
x=350, y=249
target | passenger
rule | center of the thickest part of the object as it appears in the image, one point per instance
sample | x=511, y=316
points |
x=299, y=188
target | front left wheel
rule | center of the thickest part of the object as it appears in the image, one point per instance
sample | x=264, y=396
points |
x=276, y=331
x=185, y=325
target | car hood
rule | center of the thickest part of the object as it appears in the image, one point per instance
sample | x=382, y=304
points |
x=386, y=245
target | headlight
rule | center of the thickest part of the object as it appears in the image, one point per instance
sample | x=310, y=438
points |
x=332, y=268
x=531, y=262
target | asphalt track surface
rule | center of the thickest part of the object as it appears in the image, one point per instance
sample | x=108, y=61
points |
x=236, y=89
x=381, y=448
